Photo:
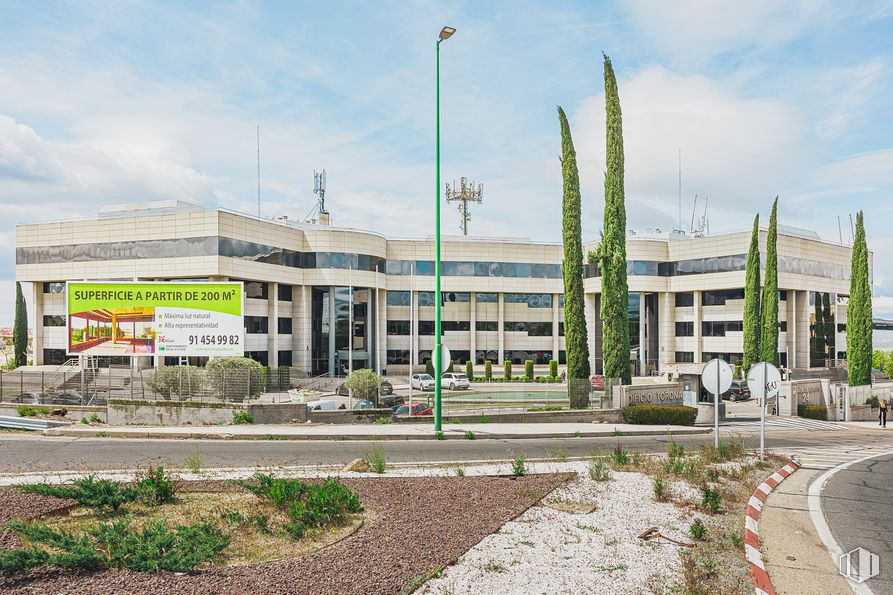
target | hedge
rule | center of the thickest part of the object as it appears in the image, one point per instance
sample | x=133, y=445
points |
x=813, y=411
x=528, y=368
x=182, y=381
x=673, y=415
x=235, y=377
x=508, y=369
x=553, y=367
x=469, y=369
x=488, y=369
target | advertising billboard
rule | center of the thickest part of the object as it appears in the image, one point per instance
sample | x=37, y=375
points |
x=154, y=318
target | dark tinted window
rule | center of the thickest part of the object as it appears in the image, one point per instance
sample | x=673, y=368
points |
x=685, y=299
x=284, y=293
x=284, y=326
x=256, y=325
x=54, y=320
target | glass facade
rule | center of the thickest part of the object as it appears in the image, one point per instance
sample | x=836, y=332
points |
x=475, y=269
x=532, y=329
x=719, y=328
x=486, y=298
x=533, y=300
x=822, y=328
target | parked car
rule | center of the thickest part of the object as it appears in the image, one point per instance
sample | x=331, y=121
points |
x=453, y=381
x=386, y=389
x=417, y=409
x=364, y=404
x=422, y=382
x=597, y=381
x=392, y=401
x=321, y=405
x=739, y=391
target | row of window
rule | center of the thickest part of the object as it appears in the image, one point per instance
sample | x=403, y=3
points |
x=686, y=299
x=475, y=269
x=401, y=357
x=426, y=298
x=717, y=328
x=426, y=327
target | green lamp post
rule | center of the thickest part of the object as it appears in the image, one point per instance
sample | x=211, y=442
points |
x=445, y=33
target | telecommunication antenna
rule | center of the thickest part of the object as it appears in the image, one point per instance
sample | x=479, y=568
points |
x=258, y=171
x=680, y=189
x=464, y=194
x=319, y=189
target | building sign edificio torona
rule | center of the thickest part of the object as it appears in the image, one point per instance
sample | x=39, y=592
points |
x=652, y=394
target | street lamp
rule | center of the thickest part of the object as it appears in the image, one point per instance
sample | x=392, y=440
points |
x=445, y=33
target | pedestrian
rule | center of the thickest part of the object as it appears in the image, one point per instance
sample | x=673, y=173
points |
x=882, y=412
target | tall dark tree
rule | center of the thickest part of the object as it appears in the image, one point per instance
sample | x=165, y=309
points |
x=577, y=348
x=752, y=300
x=769, y=307
x=612, y=250
x=20, y=329
x=858, y=323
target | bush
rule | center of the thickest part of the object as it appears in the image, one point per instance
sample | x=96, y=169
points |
x=240, y=416
x=553, y=368
x=87, y=491
x=528, y=369
x=698, y=530
x=813, y=411
x=117, y=545
x=488, y=370
x=507, y=370
x=710, y=499
x=660, y=488
x=183, y=381
x=365, y=384
x=660, y=415
x=619, y=455
x=429, y=368
x=154, y=488
x=598, y=469
x=469, y=435
x=375, y=459
x=518, y=466
x=469, y=369
x=28, y=411
x=235, y=377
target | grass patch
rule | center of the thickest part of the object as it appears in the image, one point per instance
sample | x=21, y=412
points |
x=698, y=530
x=469, y=435
x=242, y=417
x=619, y=456
x=376, y=459
x=29, y=411
x=519, y=467
x=598, y=469
x=382, y=421
x=194, y=462
x=661, y=490
x=560, y=455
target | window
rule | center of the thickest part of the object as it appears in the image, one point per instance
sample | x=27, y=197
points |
x=685, y=329
x=486, y=298
x=53, y=320
x=685, y=300
x=841, y=327
x=255, y=289
x=685, y=357
x=560, y=300
x=533, y=300
x=398, y=298
x=460, y=356
x=284, y=358
x=533, y=329
x=284, y=293
x=256, y=325
x=486, y=325
x=783, y=326
x=258, y=356
x=719, y=297
x=398, y=327
x=53, y=287
x=782, y=295
x=426, y=327
x=398, y=356
x=53, y=357
x=822, y=327
x=426, y=299
x=719, y=328
x=455, y=325
x=560, y=329
x=730, y=358
x=455, y=296
x=284, y=326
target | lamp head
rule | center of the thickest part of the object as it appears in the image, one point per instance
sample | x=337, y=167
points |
x=446, y=33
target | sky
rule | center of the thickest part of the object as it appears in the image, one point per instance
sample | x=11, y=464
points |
x=129, y=101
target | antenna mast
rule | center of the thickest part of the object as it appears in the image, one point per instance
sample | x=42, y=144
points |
x=464, y=194
x=680, y=189
x=319, y=189
x=258, y=171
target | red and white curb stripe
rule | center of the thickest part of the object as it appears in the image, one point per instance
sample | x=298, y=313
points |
x=761, y=583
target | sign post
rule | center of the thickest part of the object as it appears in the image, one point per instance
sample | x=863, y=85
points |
x=717, y=378
x=764, y=382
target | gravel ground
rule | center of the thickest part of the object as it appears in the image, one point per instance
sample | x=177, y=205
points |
x=420, y=524
x=550, y=549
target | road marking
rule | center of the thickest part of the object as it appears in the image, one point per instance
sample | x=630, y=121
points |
x=787, y=423
x=817, y=457
x=818, y=518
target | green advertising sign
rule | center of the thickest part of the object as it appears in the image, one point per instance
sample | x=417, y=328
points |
x=216, y=297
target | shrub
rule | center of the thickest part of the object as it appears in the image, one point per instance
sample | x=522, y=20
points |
x=429, y=368
x=154, y=488
x=28, y=411
x=619, y=455
x=483, y=419
x=438, y=435
x=675, y=450
x=469, y=435
x=660, y=415
x=183, y=381
x=873, y=402
x=507, y=369
x=727, y=451
x=87, y=491
x=528, y=369
x=518, y=466
x=598, y=469
x=365, y=384
x=698, y=530
x=660, y=488
x=235, y=377
x=469, y=369
x=813, y=411
x=710, y=499
x=376, y=459
x=117, y=545
x=240, y=416
x=85, y=421
x=553, y=368
x=488, y=370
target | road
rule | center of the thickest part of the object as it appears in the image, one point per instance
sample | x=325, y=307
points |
x=29, y=453
x=858, y=506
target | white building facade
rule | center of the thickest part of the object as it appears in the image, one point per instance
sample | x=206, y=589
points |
x=503, y=298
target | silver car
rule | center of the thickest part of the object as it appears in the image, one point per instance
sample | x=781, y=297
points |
x=453, y=381
x=422, y=382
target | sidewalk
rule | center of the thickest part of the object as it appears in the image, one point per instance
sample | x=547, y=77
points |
x=869, y=425
x=495, y=431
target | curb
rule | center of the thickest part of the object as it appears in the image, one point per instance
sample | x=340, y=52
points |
x=761, y=583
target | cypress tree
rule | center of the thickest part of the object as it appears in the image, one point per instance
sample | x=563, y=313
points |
x=769, y=312
x=577, y=348
x=612, y=251
x=858, y=325
x=20, y=329
x=752, y=300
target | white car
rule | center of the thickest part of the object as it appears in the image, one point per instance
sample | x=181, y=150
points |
x=454, y=381
x=321, y=405
x=422, y=382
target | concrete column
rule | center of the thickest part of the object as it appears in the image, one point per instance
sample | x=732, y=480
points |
x=472, y=327
x=666, y=337
x=500, y=333
x=791, y=343
x=643, y=318
x=381, y=330
x=555, y=321
x=301, y=336
x=37, y=336
x=414, y=331
x=697, y=326
x=332, y=370
x=273, y=325
x=591, y=325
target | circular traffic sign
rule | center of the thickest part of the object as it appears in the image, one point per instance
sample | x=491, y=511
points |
x=763, y=380
x=716, y=376
x=445, y=357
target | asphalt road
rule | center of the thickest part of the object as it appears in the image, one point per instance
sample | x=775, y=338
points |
x=858, y=506
x=28, y=453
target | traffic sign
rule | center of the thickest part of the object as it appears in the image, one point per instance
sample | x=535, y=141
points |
x=445, y=357
x=716, y=376
x=763, y=380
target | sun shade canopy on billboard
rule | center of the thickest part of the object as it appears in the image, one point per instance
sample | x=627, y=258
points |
x=164, y=318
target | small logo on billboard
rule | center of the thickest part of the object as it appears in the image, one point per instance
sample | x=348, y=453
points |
x=859, y=565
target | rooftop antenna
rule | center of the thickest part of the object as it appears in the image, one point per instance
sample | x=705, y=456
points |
x=705, y=222
x=464, y=194
x=680, y=189
x=258, y=171
x=852, y=231
x=694, y=209
x=839, y=230
x=319, y=189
